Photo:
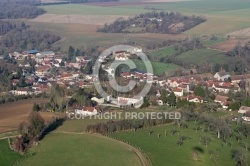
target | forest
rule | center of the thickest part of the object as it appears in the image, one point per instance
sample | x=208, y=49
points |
x=17, y=36
x=15, y=9
x=153, y=22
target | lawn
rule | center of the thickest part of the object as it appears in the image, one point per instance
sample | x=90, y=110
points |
x=164, y=150
x=7, y=156
x=202, y=56
x=80, y=149
x=158, y=67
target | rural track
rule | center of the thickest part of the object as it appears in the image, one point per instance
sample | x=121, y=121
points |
x=141, y=156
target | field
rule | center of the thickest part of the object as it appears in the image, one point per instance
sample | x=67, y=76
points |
x=14, y=113
x=164, y=150
x=203, y=56
x=158, y=67
x=8, y=157
x=80, y=149
x=163, y=52
x=77, y=23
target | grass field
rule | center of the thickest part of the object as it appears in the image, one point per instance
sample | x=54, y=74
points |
x=80, y=149
x=202, y=56
x=163, y=52
x=7, y=156
x=158, y=67
x=77, y=23
x=164, y=150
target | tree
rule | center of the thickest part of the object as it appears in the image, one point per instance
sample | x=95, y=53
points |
x=36, y=124
x=171, y=99
x=145, y=103
x=205, y=140
x=163, y=96
x=71, y=53
x=234, y=106
x=199, y=91
x=240, y=157
x=36, y=107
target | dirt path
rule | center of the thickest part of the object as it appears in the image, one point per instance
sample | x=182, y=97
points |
x=143, y=159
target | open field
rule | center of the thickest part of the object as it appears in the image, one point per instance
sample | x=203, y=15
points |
x=77, y=23
x=7, y=156
x=85, y=34
x=79, y=19
x=80, y=149
x=158, y=67
x=11, y=114
x=164, y=150
x=227, y=45
x=163, y=52
x=203, y=56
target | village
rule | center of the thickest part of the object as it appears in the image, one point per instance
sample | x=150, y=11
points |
x=51, y=69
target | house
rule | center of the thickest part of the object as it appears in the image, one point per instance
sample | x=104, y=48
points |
x=42, y=70
x=126, y=75
x=44, y=54
x=31, y=52
x=121, y=58
x=194, y=99
x=21, y=91
x=243, y=109
x=246, y=117
x=178, y=91
x=135, y=101
x=87, y=111
x=222, y=75
x=222, y=100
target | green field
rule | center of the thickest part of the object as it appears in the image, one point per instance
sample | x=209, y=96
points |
x=203, y=56
x=158, y=67
x=7, y=156
x=163, y=52
x=164, y=150
x=80, y=149
x=223, y=17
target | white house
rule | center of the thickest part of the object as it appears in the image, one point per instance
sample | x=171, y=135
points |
x=194, y=99
x=178, y=91
x=121, y=58
x=222, y=100
x=43, y=54
x=20, y=91
x=87, y=111
x=243, y=109
x=222, y=75
x=135, y=101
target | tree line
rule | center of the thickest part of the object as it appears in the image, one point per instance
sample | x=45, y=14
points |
x=32, y=130
x=154, y=22
x=15, y=9
x=128, y=124
x=20, y=37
